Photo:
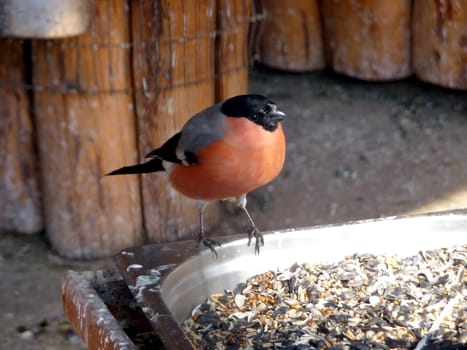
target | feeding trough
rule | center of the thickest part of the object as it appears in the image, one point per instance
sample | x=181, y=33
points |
x=169, y=280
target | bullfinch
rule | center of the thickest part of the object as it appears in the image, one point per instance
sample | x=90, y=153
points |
x=222, y=153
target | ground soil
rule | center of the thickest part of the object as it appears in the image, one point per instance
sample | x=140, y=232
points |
x=356, y=150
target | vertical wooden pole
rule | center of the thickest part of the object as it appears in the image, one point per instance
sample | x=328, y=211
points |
x=232, y=47
x=440, y=42
x=20, y=209
x=173, y=64
x=291, y=35
x=368, y=39
x=83, y=136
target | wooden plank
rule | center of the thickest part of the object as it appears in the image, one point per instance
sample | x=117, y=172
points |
x=291, y=35
x=83, y=136
x=90, y=316
x=20, y=205
x=440, y=42
x=173, y=65
x=232, y=48
x=368, y=39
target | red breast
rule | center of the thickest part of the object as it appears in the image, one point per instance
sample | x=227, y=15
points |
x=247, y=157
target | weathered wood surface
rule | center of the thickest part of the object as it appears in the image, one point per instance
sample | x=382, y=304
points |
x=233, y=18
x=368, y=39
x=291, y=36
x=20, y=205
x=174, y=80
x=440, y=42
x=83, y=136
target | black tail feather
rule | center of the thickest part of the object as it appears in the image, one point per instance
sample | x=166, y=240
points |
x=149, y=167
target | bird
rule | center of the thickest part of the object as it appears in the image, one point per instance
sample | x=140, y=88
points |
x=222, y=153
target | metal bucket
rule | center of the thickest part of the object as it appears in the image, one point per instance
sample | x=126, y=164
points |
x=45, y=19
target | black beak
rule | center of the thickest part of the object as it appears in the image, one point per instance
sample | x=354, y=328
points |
x=276, y=115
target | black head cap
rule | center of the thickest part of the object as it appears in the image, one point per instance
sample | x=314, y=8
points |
x=257, y=108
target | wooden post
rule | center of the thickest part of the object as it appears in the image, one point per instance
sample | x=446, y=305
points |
x=440, y=42
x=232, y=48
x=83, y=136
x=173, y=64
x=291, y=37
x=20, y=209
x=368, y=39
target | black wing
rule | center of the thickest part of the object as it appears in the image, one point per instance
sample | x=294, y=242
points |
x=168, y=150
x=168, y=153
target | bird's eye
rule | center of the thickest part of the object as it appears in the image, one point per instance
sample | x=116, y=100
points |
x=258, y=115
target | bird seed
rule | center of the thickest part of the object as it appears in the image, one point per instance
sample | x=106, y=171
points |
x=362, y=302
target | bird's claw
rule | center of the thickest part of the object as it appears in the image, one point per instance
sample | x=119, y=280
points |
x=211, y=244
x=259, y=240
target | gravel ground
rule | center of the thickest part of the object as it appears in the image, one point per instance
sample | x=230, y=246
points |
x=355, y=150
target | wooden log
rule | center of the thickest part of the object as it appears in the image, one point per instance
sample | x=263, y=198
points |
x=173, y=65
x=439, y=42
x=82, y=136
x=20, y=207
x=291, y=35
x=368, y=39
x=232, y=48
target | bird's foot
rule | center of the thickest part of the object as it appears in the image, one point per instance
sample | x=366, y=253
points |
x=259, y=240
x=211, y=244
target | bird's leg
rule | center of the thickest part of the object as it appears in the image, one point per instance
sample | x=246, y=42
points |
x=254, y=231
x=201, y=205
x=210, y=243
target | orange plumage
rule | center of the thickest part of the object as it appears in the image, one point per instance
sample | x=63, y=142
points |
x=246, y=158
